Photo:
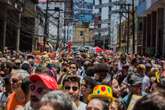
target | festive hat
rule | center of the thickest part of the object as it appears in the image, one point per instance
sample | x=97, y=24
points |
x=103, y=92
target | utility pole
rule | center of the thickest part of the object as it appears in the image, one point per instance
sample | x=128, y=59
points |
x=120, y=17
x=104, y=41
x=18, y=31
x=83, y=39
x=64, y=37
x=67, y=31
x=109, y=37
x=56, y=9
x=4, y=28
x=128, y=25
x=46, y=25
x=133, y=27
x=58, y=30
x=65, y=26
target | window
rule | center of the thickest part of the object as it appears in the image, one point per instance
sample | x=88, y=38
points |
x=81, y=33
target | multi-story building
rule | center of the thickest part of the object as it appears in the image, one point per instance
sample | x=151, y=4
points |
x=82, y=18
x=28, y=38
x=39, y=28
x=68, y=20
x=17, y=24
x=55, y=22
x=9, y=12
x=102, y=23
x=128, y=38
x=152, y=26
x=68, y=12
x=82, y=35
x=122, y=37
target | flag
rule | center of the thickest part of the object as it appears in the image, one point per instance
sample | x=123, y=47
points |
x=69, y=46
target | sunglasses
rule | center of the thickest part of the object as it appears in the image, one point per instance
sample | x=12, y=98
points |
x=39, y=90
x=92, y=108
x=14, y=80
x=73, y=67
x=74, y=88
x=17, y=64
x=112, y=108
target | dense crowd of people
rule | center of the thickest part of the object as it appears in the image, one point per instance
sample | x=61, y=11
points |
x=63, y=80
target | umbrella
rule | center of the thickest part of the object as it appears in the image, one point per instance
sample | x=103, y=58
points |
x=98, y=49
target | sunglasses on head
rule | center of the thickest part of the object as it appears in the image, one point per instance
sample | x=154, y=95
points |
x=74, y=88
x=39, y=90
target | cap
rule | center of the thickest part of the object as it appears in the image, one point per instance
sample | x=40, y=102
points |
x=48, y=81
x=134, y=80
x=102, y=91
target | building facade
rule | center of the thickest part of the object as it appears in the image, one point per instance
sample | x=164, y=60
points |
x=102, y=23
x=122, y=37
x=152, y=25
x=9, y=12
x=28, y=38
x=17, y=24
x=52, y=26
x=82, y=35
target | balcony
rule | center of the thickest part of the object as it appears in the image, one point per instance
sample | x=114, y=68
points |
x=11, y=2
